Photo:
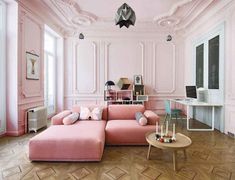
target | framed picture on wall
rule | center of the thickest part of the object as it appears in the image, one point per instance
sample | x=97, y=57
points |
x=138, y=80
x=32, y=66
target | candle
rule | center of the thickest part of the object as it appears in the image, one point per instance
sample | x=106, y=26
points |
x=166, y=128
x=173, y=135
x=162, y=134
x=156, y=127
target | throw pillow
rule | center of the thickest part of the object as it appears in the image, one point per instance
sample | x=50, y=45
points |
x=70, y=119
x=84, y=113
x=96, y=113
x=151, y=117
x=87, y=114
x=141, y=119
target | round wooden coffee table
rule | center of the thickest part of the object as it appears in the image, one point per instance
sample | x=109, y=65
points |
x=181, y=143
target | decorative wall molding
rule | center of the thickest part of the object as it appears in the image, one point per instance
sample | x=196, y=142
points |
x=107, y=53
x=39, y=91
x=70, y=13
x=170, y=91
x=75, y=74
x=106, y=65
x=142, y=59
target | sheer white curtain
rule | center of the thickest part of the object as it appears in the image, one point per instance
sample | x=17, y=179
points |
x=49, y=71
x=2, y=67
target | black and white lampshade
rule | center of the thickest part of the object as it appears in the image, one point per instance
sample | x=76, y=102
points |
x=109, y=85
x=125, y=16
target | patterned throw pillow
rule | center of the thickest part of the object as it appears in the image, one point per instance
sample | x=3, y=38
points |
x=87, y=114
x=141, y=119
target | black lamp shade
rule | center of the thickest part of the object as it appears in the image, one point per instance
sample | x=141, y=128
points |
x=109, y=83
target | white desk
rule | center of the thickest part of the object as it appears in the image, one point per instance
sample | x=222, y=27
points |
x=194, y=103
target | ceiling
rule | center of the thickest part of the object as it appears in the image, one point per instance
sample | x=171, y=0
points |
x=165, y=13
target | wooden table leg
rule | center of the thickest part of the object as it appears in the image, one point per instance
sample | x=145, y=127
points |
x=149, y=150
x=174, y=160
x=185, y=155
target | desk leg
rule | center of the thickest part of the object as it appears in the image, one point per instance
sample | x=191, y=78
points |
x=188, y=117
x=213, y=118
x=149, y=150
x=174, y=160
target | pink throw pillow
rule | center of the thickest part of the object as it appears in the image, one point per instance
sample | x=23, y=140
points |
x=151, y=117
x=70, y=119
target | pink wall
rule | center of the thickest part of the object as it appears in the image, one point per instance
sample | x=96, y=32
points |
x=22, y=93
x=112, y=55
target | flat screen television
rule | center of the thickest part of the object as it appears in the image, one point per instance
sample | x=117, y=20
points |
x=191, y=92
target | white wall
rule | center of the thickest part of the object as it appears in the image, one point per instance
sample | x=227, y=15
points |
x=205, y=23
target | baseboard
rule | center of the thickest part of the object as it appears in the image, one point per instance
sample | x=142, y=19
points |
x=232, y=135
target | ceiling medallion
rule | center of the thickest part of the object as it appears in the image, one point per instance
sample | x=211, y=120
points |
x=168, y=22
x=81, y=20
x=125, y=16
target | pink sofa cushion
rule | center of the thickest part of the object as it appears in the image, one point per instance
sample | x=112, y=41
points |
x=82, y=141
x=128, y=132
x=58, y=119
x=70, y=119
x=151, y=117
x=122, y=112
x=76, y=108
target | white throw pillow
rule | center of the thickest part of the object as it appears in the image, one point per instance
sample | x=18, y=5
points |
x=95, y=114
x=70, y=119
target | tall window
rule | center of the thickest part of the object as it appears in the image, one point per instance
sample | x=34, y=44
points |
x=2, y=67
x=199, y=65
x=50, y=71
x=209, y=63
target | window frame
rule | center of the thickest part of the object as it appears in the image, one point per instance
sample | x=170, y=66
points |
x=54, y=55
x=216, y=95
x=3, y=12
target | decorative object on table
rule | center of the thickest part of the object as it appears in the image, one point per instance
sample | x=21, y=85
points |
x=202, y=95
x=123, y=83
x=138, y=80
x=32, y=66
x=125, y=16
x=165, y=137
x=109, y=85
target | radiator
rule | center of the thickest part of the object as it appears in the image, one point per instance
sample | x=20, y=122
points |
x=37, y=118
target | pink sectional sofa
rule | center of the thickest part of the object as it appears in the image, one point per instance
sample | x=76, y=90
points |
x=85, y=139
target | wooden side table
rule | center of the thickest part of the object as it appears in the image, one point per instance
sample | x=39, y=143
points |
x=181, y=143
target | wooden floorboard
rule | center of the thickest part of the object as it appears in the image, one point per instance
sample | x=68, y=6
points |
x=211, y=156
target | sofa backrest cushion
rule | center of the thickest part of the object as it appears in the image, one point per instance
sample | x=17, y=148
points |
x=76, y=108
x=123, y=112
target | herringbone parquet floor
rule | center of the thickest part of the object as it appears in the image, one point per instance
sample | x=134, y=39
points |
x=211, y=156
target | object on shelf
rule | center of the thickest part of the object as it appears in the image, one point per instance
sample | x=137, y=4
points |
x=123, y=83
x=138, y=90
x=138, y=80
x=109, y=85
x=141, y=98
x=110, y=95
